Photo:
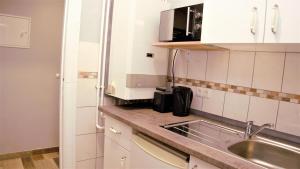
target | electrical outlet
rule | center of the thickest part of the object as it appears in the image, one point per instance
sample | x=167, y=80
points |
x=198, y=92
x=206, y=93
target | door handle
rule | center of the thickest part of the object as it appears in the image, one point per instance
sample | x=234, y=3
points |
x=254, y=21
x=274, y=24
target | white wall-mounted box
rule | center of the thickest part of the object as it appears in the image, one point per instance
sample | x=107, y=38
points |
x=14, y=31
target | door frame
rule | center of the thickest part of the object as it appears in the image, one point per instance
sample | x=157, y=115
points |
x=68, y=84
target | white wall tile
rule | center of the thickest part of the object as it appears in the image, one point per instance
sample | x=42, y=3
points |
x=240, y=69
x=197, y=101
x=86, y=92
x=291, y=78
x=236, y=106
x=88, y=56
x=262, y=110
x=86, y=164
x=85, y=147
x=100, y=144
x=197, y=65
x=288, y=120
x=217, y=66
x=86, y=120
x=268, y=71
x=181, y=64
x=214, y=103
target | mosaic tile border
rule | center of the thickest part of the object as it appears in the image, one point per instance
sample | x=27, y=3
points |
x=286, y=97
x=87, y=75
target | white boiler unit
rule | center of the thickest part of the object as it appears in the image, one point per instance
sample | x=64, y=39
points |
x=135, y=67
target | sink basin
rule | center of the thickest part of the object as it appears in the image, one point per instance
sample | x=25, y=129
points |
x=267, y=154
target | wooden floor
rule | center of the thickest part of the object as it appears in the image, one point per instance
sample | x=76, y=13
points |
x=35, y=161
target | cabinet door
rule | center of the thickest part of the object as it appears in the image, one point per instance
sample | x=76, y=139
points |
x=233, y=21
x=115, y=156
x=282, y=21
x=196, y=163
x=181, y=3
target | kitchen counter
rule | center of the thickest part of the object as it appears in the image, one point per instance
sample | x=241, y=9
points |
x=148, y=121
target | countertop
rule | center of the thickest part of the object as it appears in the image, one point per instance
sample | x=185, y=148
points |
x=148, y=122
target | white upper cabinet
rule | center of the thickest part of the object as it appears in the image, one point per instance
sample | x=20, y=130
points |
x=282, y=21
x=233, y=21
x=14, y=31
x=181, y=3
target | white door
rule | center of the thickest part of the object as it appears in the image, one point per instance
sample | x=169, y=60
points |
x=282, y=21
x=115, y=156
x=233, y=21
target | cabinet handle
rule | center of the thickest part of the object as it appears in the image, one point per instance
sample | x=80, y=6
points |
x=123, y=160
x=254, y=21
x=195, y=167
x=114, y=131
x=275, y=18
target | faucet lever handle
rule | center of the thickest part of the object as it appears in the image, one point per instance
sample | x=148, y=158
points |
x=249, y=123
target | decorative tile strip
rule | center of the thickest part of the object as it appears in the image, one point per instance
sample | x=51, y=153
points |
x=88, y=75
x=286, y=97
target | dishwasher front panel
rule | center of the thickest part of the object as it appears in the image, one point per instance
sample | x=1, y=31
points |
x=147, y=155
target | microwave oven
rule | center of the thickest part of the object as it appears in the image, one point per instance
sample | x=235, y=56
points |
x=181, y=24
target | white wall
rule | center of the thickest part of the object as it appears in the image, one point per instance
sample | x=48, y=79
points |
x=29, y=103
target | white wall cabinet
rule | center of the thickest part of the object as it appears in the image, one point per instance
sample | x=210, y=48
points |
x=282, y=21
x=233, y=21
x=196, y=163
x=181, y=3
x=251, y=21
x=14, y=31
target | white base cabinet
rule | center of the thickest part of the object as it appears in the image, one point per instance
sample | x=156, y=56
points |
x=121, y=146
x=196, y=163
x=115, y=156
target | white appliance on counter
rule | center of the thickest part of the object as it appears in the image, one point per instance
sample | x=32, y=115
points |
x=147, y=153
x=135, y=67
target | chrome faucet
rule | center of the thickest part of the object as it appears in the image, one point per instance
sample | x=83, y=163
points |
x=249, y=133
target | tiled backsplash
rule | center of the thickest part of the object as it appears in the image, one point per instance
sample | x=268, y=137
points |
x=259, y=86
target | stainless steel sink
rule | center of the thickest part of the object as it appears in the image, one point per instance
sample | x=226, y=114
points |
x=268, y=154
x=259, y=150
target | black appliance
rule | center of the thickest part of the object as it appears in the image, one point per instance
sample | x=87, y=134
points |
x=181, y=24
x=182, y=99
x=162, y=101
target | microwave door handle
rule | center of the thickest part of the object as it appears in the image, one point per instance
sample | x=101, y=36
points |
x=188, y=21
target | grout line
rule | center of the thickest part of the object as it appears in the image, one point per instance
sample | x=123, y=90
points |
x=281, y=88
x=86, y=159
x=250, y=97
x=205, y=77
x=227, y=74
x=85, y=134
